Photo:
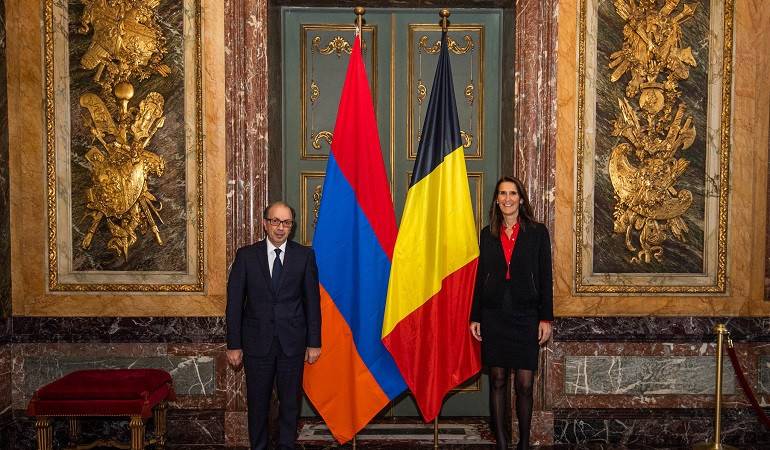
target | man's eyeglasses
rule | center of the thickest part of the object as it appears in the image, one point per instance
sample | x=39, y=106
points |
x=276, y=222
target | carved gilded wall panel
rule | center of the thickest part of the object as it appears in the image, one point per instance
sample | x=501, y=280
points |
x=653, y=146
x=125, y=145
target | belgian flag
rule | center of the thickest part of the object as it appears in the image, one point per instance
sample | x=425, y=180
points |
x=430, y=291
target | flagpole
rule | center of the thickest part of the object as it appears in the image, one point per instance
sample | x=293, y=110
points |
x=435, y=432
x=359, y=11
x=444, y=14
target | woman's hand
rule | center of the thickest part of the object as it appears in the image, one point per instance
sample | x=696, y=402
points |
x=544, y=332
x=476, y=330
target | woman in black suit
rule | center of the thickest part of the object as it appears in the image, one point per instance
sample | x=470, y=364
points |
x=513, y=302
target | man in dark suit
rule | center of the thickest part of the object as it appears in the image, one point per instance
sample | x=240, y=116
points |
x=273, y=322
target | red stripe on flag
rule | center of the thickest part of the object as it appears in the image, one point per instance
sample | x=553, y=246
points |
x=356, y=148
x=433, y=346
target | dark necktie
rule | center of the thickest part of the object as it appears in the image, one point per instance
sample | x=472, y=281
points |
x=277, y=268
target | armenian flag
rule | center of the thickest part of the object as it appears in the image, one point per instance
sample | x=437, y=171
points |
x=355, y=377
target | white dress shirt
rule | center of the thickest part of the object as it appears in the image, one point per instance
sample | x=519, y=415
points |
x=271, y=254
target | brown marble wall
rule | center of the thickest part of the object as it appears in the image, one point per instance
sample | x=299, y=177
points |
x=5, y=205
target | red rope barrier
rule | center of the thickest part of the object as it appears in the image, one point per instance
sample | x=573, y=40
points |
x=746, y=388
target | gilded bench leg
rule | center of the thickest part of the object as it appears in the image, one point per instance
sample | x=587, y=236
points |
x=44, y=433
x=74, y=429
x=137, y=432
x=160, y=424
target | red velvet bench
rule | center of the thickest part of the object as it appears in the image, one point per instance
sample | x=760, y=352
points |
x=135, y=394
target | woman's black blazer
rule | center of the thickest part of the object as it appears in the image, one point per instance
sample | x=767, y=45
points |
x=531, y=273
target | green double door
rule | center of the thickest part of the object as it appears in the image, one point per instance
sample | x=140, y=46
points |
x=400, y=49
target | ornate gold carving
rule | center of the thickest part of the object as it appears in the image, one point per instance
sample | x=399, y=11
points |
x=317, y=193
x=121, y=168
x=424, y=45
x=469, y=93
x=120, y=52
x=126, y=42
x=322, y=135
x=311, y=45
x=719, y=284
x=421, y=45
x=314, y=91
x=467, y=138
x=337, y=45
x=647, y=199
x=422, y=91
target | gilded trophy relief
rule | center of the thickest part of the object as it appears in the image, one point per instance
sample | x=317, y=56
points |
x=645, y=167
x=130, y=152
x=653, y=145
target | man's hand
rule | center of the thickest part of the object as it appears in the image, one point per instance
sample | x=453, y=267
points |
x=476, y=330
x=235, y=357
x=544, y=332
x=312, y=354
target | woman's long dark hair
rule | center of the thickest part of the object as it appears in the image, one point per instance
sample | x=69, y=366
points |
x=525, y=208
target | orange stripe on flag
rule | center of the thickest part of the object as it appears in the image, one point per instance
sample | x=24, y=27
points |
x=341, y=382
x=433, y=347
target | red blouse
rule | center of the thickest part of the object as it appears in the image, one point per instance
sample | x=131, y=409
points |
x=508, y=245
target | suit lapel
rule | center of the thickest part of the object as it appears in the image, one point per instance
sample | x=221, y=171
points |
x=288, y=258
x=262, y=260
x=499, y=253
x=522, y=241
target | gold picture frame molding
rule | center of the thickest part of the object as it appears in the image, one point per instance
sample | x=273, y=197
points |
x=714, y=280
x=155, y=282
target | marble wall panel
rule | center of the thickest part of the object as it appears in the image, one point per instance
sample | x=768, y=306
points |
x=659, y=329
x=117, y=329
x=6, y=430
x=656, y=428
x=643, y=375
x=5, y=205
x=192, y=375
x=199, y=371
x=640, y=375
x=764, y=374
x=5, y=379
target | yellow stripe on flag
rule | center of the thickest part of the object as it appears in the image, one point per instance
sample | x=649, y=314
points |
x=437, y=236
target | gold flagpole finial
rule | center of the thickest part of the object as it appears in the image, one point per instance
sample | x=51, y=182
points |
x=444, y=13
x=359, y=11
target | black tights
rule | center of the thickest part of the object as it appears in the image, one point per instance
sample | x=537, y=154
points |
x=523, y=383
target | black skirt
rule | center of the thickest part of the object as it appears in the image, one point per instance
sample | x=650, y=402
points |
x=509, y=336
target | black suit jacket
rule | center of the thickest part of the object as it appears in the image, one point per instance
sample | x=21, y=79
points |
x=255, y=314
x=531, y=273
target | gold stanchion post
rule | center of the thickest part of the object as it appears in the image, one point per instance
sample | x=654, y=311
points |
x=435, y=432
x=721, y=330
